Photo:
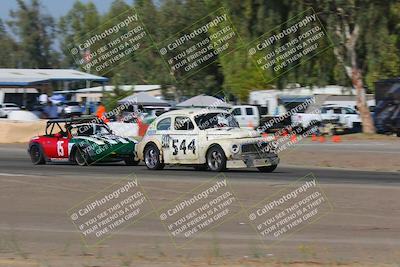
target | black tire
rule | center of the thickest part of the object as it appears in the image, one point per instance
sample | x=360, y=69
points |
x=37, y=156
x=216, y=159
x=152, y=158
x=270, y=168
x=201, y=167
x=81, y=157
x=131, y=161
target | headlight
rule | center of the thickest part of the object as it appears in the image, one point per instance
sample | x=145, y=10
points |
x=235, y=148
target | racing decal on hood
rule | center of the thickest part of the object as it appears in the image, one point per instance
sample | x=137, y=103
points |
x=105, y=139
x=114, y=139
x=108, y=139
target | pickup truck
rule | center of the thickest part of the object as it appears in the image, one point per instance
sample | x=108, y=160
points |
x=254, y=117
x=336, y=118
x=247, y=116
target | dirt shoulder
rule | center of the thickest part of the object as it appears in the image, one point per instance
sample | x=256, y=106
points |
x=367, y=153
x=164, y=261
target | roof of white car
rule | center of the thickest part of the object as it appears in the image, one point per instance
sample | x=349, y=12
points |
x=193, y=111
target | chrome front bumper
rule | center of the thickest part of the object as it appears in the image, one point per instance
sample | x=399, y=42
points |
x=248, y=161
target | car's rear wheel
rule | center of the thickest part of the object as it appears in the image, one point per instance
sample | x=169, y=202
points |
x=216, y=159
x=270, y=168
x=36, y=154
x=152, y=158
x=81, y=157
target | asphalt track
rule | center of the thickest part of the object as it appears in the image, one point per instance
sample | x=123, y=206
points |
x=14, y=160
x=363, y=226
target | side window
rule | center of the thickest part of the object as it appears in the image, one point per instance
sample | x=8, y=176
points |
x=350, y=111
x=249, y=111
x=236, y=112
x=337, y=111
x=164, y=124
x=183, y=123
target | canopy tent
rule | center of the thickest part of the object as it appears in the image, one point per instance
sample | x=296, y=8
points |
x=143, y=99
x=28, y=77
x=204, y=101
x=42, y=79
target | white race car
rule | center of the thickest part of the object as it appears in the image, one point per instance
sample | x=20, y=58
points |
x=204, y=139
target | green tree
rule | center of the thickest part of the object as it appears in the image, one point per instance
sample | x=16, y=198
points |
x=35, y=32
x=74, y=27
x=8, y=49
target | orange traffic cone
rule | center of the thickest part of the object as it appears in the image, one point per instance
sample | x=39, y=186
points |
x=336, y=139
x=321, y=139
x=313, y=137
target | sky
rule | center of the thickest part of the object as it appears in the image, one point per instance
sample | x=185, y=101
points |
x=56, y=8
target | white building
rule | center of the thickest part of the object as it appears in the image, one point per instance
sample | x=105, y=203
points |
x=94, y=94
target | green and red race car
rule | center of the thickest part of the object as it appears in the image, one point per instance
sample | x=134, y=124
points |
x=83, y=141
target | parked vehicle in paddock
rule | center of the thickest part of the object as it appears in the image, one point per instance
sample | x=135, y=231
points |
x=71, y=109
x=247, y=116
x=82, y=141
x=205, y=140
x=6, y=108
x=256, y=117
x=338, y=118
x=387, y=111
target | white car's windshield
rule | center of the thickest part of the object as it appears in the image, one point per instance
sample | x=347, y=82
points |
x=215, y=120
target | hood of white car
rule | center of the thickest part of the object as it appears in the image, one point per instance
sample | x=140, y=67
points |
x=229, y=132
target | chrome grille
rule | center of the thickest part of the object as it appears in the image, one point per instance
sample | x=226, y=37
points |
x=256, y=148
x=251, y=148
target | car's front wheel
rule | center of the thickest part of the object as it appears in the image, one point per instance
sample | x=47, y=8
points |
x=216, y=159
x=81, y=157
x=152, y=158
x=270, y=168
x=36, y=154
